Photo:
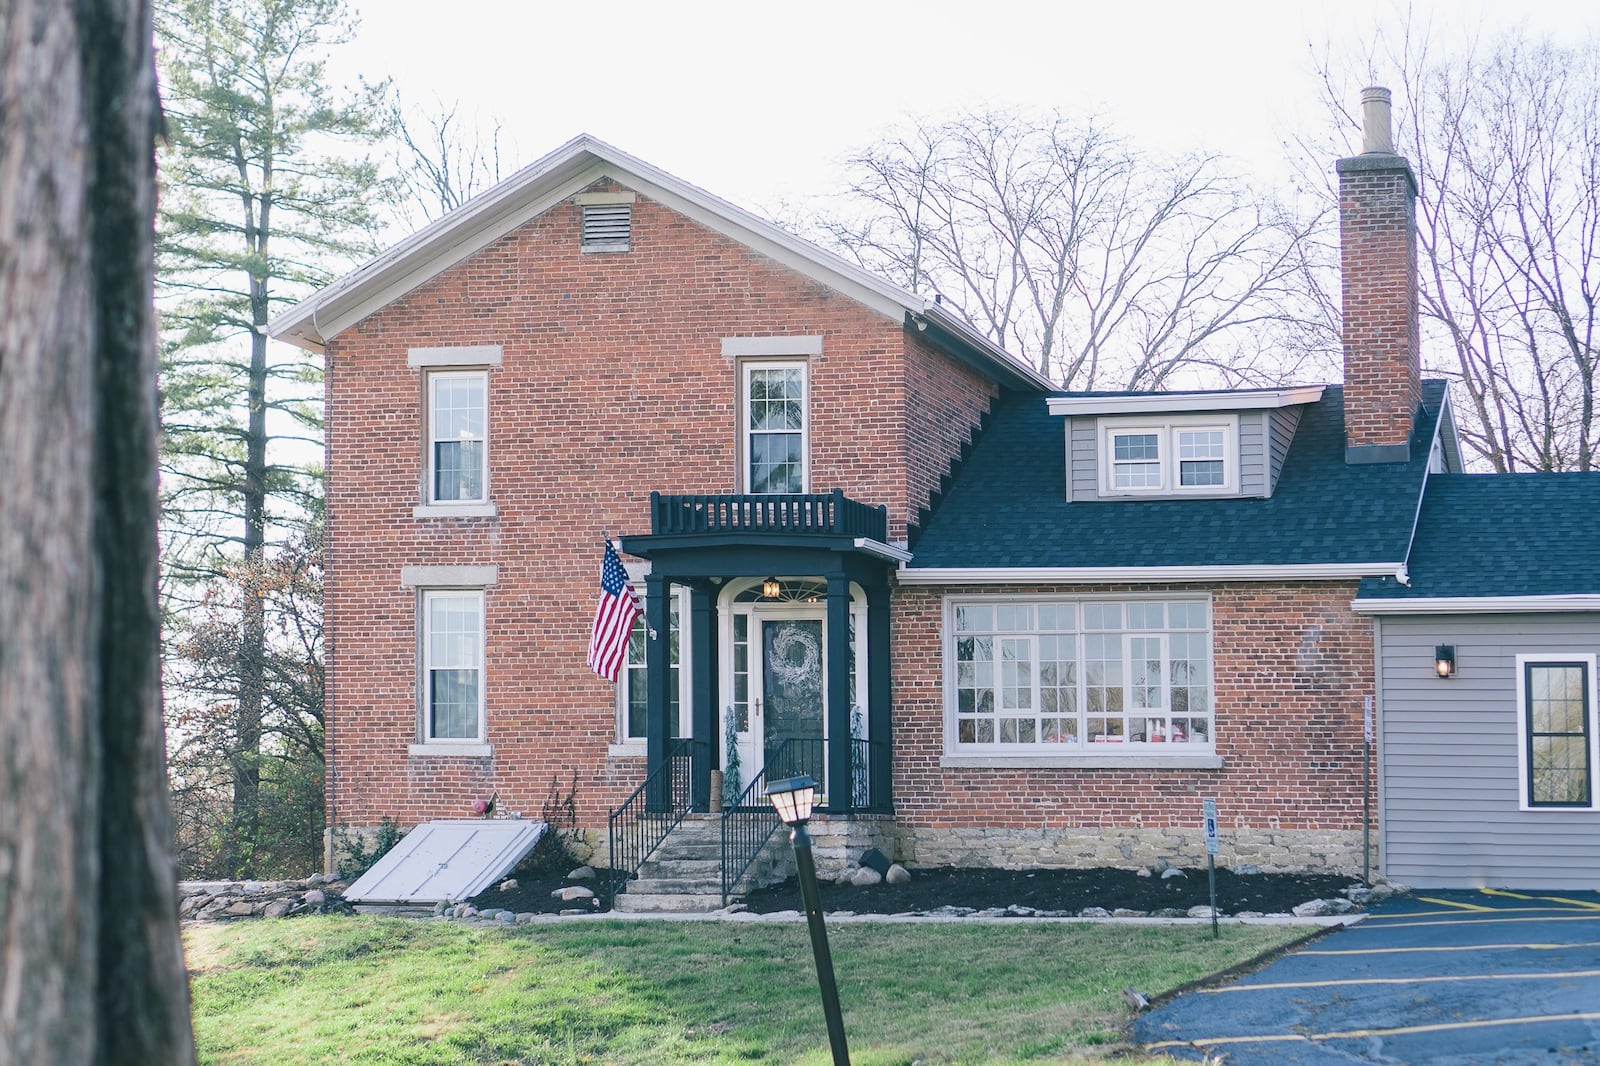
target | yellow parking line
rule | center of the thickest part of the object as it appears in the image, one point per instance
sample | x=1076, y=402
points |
x=1360, y=1034
x=1559, y=916
x=1455, y=903
x=1581, y=904
x=1280, y=985
x=1455, y=947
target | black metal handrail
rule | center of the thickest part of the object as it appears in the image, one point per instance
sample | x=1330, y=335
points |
x=861, y=773
x=825, y=513
x=748, y=824
x=644, y=819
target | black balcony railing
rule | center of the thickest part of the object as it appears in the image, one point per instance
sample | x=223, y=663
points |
x=827, y=513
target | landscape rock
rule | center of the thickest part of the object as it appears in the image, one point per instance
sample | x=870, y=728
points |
x=1171, y=912
x=897, y=875
x=1170, y=872
x=845, y=876
x=866, y=877
x=572, y=893
x=1094, y=912
x=317, y=879
x=508, y=884
x=241, y=909
x=315, y=897
x=1144, y=871
x=526, y=918
x=1018, y=911
x=1359, y=894
x=582, y=873
x=1124, y=912
x=1247, y=869
x=873, y=859
x=277, y=908
x=1202, y=910
x=1316, y=908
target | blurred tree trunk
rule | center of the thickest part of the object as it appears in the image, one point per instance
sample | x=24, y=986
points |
x=91, y=964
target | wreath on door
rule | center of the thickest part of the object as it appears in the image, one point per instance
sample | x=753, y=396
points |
x=797, y=655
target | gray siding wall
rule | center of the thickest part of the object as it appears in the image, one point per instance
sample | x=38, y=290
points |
x=1083, y=475
x=1252, y=453
x=1449, y=785
x=1283, y=424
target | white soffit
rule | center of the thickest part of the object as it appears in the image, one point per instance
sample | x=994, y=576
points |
x=450, y=859
x=1177, y=402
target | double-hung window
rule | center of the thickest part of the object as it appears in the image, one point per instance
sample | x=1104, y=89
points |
x=1558, y=749
x=458, y=436
x=455, y=429
x=451, y=678
x=774, y=416
x=1066, y=676
x=1179, y=457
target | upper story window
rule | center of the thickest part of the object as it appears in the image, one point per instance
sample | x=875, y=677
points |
x=1066, y=676
x=458, y=436
x=452, y=654
x=1174, y=457
x=775, y=426
x=455, y=429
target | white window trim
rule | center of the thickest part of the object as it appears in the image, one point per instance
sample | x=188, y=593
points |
x=745, y=368
x=625, y=746
x=1130, y=755
x=1167, y=431
x=426, y=745
x=478, y=506
x=1587, y=661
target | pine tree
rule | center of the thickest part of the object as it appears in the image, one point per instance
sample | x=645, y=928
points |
x=266, y=193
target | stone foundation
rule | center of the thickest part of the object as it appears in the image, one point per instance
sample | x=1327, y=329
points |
x=1273, y=850
x=840, y=842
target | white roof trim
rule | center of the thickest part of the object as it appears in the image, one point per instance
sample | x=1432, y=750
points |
x=1077, y=575
x=882, y=550
x=1477, y=604
x=558, y=176
x=1167, y=402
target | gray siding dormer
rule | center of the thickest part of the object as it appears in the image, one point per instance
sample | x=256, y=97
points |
x=1083, y=455
x=1253, y=454
x=1284, y=421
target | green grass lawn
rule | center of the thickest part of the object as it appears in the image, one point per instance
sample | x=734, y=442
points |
x=372, y=990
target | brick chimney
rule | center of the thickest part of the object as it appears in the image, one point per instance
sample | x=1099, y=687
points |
x=1378, y=263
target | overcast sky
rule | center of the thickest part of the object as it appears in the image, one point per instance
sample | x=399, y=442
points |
x=760, y=102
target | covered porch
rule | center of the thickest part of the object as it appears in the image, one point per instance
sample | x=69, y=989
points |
x=787, y=638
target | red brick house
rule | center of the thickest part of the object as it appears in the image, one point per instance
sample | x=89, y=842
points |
x=1000, y=624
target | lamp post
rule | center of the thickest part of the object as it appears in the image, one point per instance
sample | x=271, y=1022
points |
x=793, y=797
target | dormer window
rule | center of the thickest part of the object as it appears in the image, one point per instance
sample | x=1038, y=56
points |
x=1174, y=457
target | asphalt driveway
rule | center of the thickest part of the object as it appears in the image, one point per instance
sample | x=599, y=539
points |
x=1438, y=977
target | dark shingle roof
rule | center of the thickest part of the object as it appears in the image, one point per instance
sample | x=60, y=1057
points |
x=1503, y=535
x=1008, y=507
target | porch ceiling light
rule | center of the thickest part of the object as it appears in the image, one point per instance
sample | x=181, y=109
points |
x=793, y=797
x=771, y=588
x=1444, y=660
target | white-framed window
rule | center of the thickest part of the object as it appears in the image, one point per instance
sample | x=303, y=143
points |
x=458, y=437
x=451, y=687
x=632, y=693
x=774, y=417
x=1558, y=748
x=1183, y=456
x=1072, y=676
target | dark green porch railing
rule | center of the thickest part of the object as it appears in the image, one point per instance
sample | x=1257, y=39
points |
x=653, y=810
x=830, y=513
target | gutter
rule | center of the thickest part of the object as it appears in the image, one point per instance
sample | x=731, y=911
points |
x=1069, y=575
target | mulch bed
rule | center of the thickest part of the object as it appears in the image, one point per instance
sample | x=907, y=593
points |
x=980, y=889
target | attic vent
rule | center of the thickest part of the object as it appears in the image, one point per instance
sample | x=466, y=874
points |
x=607, y=227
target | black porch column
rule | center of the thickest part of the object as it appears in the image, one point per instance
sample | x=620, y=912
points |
x=840, y=778
x=658, y=677
x=879, y=686
x=703, y=693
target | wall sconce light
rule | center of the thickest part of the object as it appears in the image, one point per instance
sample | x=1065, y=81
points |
x=771, y=588
x=1444, y=660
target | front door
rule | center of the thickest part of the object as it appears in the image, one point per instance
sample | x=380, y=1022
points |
x=790, y=698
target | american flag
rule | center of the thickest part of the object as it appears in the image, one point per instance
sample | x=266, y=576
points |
x=613, y=617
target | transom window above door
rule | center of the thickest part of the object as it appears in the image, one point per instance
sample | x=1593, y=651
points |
x=775, y=424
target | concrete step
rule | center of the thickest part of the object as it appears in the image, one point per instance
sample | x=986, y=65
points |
x=648, y=903
x=683, y=886
x=673, y=866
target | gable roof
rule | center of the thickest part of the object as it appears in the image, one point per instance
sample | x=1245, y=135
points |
x=1007, y=516
x=1501, y=542
x=572, y=168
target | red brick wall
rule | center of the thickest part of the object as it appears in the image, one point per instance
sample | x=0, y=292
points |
x=1291, y=664
x=945, y=402
x=1382, y=342
x=613, y=384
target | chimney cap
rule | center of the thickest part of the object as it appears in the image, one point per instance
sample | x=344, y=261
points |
x=1377, y=124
